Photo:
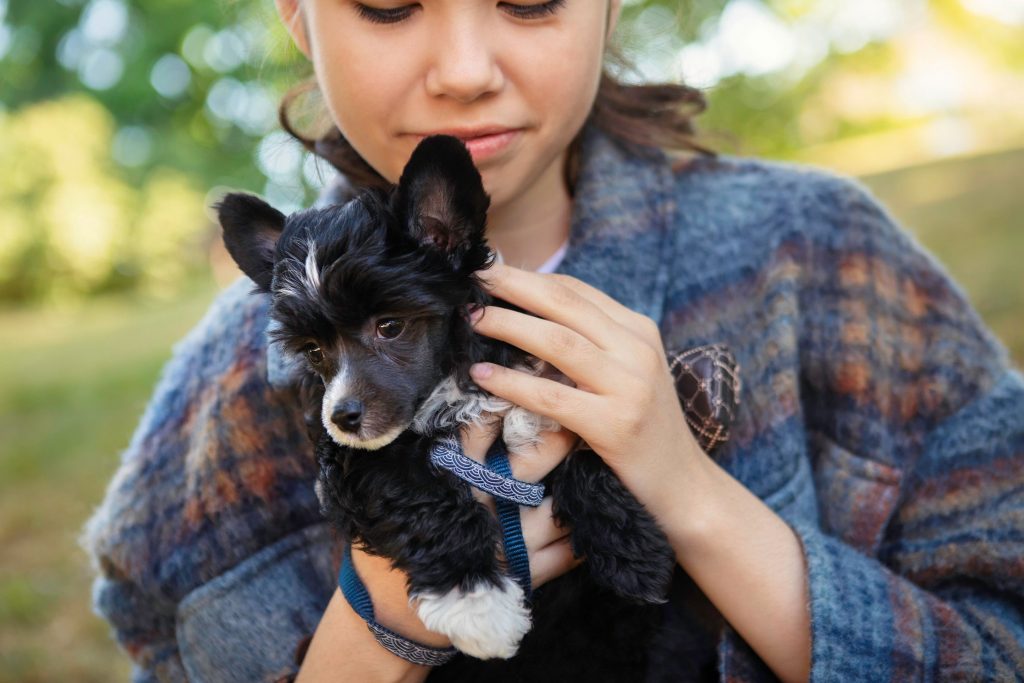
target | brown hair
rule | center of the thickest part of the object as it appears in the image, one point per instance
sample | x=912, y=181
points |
x=658, y=116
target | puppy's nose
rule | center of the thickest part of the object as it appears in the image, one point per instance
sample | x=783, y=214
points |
x=348, y=414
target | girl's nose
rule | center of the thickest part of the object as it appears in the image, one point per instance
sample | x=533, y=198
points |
x=464, y=65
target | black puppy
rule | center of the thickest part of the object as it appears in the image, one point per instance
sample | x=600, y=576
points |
x=373, y=295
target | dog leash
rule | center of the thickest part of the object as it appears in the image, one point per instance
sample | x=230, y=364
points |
x=509, y=494
x=495, y=477
x=508, y=519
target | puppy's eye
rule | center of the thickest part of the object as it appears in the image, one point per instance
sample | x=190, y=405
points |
x=389, y=329
x=314, y=355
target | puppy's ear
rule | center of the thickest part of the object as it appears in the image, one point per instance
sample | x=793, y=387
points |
x=251, y=230
x=441, y=197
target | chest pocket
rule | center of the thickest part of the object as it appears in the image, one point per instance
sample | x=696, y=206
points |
x=245, y=624
x=857, y=496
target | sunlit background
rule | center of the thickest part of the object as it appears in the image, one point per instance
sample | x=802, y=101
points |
x=120, y=121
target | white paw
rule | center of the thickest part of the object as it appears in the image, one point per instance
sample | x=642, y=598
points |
x=485, y=622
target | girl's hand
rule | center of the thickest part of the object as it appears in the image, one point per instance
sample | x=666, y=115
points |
x=624, y=404
x=742, y=555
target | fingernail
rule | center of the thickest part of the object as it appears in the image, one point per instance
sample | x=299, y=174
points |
x=475, y=313
x=481, y=370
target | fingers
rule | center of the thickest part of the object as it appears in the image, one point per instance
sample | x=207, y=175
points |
x=552, y=561
x=568, y=406
x=574, y=354
x=477, y=439
x=546, y=542
x=508, y=283
x=641, y=326
x=531, y=463
x=577, y=306
x=539, y=527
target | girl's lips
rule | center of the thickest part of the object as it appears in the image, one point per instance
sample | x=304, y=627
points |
x=486, y=146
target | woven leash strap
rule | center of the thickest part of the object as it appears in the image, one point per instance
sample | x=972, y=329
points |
x=511, y=526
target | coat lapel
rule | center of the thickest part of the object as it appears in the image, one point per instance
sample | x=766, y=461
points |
x=621, y=239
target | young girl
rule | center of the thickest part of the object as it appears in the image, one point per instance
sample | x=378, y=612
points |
x=864, y=521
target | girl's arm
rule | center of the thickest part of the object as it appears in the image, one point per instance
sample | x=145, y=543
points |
x=747, y=561
x=744, y=557
x=344, y=649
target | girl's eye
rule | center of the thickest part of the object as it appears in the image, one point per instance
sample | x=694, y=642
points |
x=393, y=15
x=390, y=329
x=533, y=11
x=314, y=355
x=381, y=15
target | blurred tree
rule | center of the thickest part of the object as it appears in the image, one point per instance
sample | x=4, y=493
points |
x=71, y=226
x=190, y=85
x=193, y=87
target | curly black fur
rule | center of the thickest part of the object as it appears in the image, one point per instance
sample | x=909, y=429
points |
x=413, y=254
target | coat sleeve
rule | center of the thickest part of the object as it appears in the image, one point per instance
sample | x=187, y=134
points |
x=143, y=625
x=902, y=371
x=133, y=533
x=942, y=600
x=899, y=371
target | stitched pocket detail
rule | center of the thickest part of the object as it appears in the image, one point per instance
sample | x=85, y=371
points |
x=856, y=496
x=245, y=624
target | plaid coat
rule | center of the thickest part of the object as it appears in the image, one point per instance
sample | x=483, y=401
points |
x=879, y=418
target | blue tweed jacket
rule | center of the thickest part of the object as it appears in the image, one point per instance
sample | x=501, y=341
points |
x=880, y=419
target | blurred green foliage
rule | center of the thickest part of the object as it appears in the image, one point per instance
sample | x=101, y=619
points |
x=113, y=111
x=112, y=50
x=74, y=227
x=111, y=145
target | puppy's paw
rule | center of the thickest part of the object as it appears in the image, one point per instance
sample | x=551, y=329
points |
x=633, y=559
x=522, y=429
x=641, y=581
x=485, y=622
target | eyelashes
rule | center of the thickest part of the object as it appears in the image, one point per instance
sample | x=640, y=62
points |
x=380, y=15
x=534, y=11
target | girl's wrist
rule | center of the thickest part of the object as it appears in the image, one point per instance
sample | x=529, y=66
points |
x=681, y=495
x=387, y=587
x=342, y=643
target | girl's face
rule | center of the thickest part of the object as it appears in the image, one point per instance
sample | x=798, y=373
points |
x=515, y=80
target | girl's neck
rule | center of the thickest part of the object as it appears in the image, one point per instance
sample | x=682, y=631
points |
x=529, y=229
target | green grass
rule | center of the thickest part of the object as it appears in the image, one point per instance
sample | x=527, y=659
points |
x=74, y=383
x=72, y=386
